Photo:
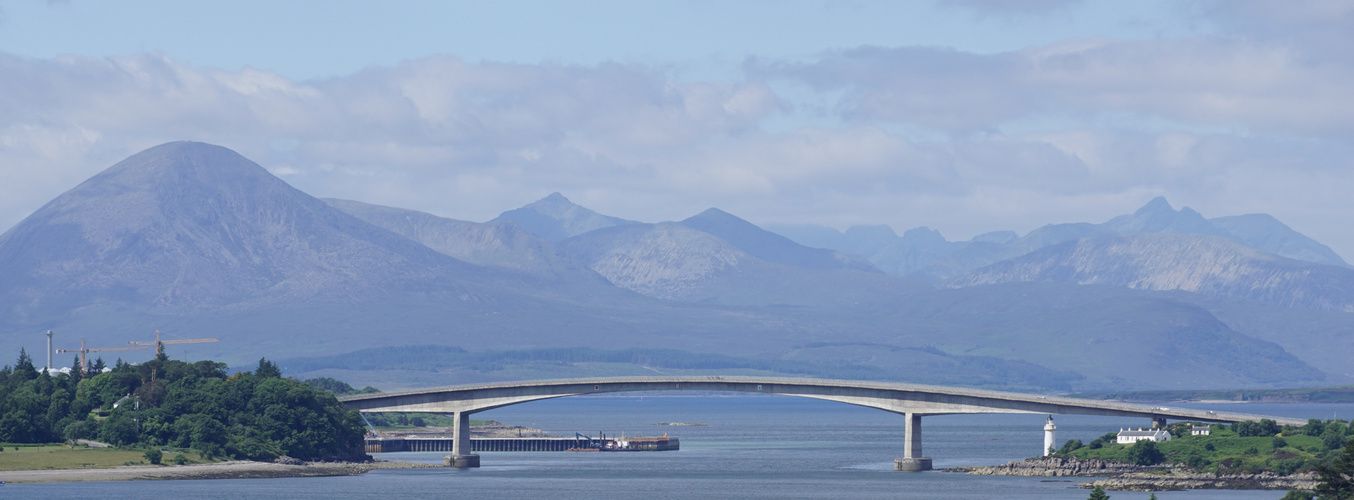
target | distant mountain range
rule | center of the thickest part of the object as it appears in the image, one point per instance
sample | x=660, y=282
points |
x=197, y=241
x=924, y=254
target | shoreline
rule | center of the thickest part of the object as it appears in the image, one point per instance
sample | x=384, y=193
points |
x=238, y=469
x=1118, y=476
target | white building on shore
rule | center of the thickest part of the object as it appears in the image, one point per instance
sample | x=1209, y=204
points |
x=1131, y=436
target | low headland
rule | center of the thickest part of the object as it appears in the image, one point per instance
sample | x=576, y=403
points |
x=1246, y=455
x=169, y=419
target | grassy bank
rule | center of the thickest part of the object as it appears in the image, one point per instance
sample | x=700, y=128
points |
x=1224, y=451
x=61, y=456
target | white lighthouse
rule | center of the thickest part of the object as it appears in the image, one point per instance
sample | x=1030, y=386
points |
x=1050, y=436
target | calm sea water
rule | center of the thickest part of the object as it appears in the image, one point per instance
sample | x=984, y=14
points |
x=753, y=447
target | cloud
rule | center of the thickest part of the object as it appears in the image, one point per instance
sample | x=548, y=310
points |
x=1320, y=29
x=1205, y=81
x=1075, y=131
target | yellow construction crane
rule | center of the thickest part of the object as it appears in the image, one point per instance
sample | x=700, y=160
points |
x=160, y=344
x=86, y=350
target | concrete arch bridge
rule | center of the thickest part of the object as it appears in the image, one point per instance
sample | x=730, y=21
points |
x=910, y=400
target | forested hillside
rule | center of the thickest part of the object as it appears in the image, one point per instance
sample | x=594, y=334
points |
x=163, y=402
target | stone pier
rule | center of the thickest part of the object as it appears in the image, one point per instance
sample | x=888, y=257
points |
x=460, y=449
x=912, y=459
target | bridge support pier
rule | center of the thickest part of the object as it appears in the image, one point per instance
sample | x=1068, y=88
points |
x=912, y=459
x=460, y=444
x=1159, y=423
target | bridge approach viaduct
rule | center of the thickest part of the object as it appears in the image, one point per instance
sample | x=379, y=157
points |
x=909, y=400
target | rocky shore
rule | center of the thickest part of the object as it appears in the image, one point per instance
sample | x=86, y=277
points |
x=1128, y=477
x=1055, y=466
x=1185, y=479
x=219, y=470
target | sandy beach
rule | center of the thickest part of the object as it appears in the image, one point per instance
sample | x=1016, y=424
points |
x=220, y=470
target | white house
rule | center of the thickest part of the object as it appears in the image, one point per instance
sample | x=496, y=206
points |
x=1200, y=430
x=1130, y=436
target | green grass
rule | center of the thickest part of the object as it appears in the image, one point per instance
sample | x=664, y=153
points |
x=60, y=456
x=1231, y=453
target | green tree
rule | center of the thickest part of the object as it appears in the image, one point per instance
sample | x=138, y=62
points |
x=1070, y=446
x=1335, y=480
x=58, y=409
x=21, y=423
x=77, y=371
x=154, y=455
x=1299, y=495
x=1333, y=438
x=331, y=384
x=1145, y=452
x=267, y=369
x=119, y=430
x=1098, y=494
x=24, y=369
x=82, y=429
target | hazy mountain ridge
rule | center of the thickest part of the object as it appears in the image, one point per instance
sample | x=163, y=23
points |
x=200, y=242
x=769, y=246
x=555, y=218
x=923, y=254
x=186, y=225
x=496, y=243
x=1201, y=264
x=665, y=260
x=1250, y=256
x=1114, y=335
x=673, y=261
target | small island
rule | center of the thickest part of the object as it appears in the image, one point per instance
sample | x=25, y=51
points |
x=1245, y=455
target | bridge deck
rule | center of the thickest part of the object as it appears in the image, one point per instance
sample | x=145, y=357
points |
x=895, y=397
x=910, y=400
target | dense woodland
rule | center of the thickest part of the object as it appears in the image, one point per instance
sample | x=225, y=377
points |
x=254, y=415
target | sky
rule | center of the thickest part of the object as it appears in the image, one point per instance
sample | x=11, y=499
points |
x=965, y=116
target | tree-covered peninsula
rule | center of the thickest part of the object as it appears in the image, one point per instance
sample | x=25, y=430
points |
x=163, y=402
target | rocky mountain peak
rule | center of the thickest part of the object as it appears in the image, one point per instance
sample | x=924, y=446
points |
x=1158, y=206
x=555, y=218
x=187, y=224
x=1157, y=216
x=769, y=246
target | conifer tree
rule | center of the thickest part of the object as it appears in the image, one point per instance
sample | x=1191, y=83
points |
x=24, y=368
x=267, y=369
x=1335, y=480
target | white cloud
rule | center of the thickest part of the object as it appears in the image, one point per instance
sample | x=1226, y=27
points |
x=1223, y=124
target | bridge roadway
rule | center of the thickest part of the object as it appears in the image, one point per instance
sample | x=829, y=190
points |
x=910, y=400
